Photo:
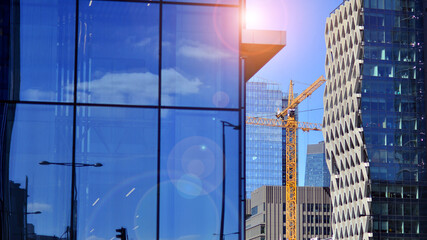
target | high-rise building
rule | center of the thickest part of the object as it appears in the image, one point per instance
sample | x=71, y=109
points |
x=374, y=119
x=316, y=171
x=265, y=146
x=264, y=157
x=268, y=213
x=125, y=114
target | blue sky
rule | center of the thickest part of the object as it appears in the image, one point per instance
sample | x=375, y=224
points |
x=303, y=58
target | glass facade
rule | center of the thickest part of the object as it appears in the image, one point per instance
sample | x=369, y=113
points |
x=121, y=114
x=393, y=116
x=264, y=159
x=316, y=169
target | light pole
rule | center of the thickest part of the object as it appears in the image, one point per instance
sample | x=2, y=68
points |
x=226, y=234
x=73, y=164
x=235, y=127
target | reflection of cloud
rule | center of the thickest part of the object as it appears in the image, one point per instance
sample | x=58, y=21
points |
x=189, y=237
x=36, y=94
x=201, y=51
x=130, y=88
x=144, y=42
x=176, y=83
x=95, y=238
x=136, y=88
x=32, y=207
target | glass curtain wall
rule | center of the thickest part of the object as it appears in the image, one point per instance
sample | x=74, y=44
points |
x=121, y=114
x=393, y=116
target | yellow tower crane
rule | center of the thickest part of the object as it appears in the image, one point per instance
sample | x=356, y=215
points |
x=286, y=119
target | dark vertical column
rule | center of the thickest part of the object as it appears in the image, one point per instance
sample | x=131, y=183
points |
x=73, y=220
x=159, y=117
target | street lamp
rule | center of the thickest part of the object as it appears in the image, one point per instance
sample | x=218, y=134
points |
x=71, y=164
x=235, y=127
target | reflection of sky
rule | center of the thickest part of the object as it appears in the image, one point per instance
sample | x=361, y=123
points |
x=192, y=169
x=118, y=63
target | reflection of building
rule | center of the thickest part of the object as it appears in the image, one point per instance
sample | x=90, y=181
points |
x=374, y=119
x=141, y=87
x=267, y=220
x=316, y=170
x=18, y=211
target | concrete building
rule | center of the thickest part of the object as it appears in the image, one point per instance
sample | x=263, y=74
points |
x=374, y=119
x=316, y=171
x=268, y=216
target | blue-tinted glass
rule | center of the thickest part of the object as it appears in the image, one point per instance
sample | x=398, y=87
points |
x=39, y=202
x=118, y=53
x=264, y=145
x=191, y=174
x=200, y=56
x=234, y=2
x=123, y=192
x=47, y=39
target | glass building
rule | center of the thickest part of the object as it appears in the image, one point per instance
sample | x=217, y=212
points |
x=122, y=114
x=316, y=170
x=374, y=122
x=264, y=157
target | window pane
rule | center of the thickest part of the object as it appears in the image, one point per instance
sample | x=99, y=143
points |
x=200, y=56
x=46, y=51
x=191, y=174
x=41, y=193
x=119, y=53
x=235, y=2
x=123, y=192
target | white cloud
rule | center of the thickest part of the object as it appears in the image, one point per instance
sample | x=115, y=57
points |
x=43, y=207
x=201, y=51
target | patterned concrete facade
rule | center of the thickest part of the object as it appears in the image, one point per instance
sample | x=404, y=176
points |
x=342, y=129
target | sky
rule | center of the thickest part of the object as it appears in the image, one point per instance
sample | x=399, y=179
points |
x=302, y=59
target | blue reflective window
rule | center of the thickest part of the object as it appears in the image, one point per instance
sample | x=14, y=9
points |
x=191, y=174
x=233, y=2
x=200, y=56
x=118, y=53
x=123, y=192
x=39, y=193
x=46, y=51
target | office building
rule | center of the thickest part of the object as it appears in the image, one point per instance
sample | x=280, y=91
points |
x=125, y=114
x=374, y=119
x=268, y=213
x=264, y=155
x=316, y=171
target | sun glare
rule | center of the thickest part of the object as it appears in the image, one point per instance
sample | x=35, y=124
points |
x=252, y=18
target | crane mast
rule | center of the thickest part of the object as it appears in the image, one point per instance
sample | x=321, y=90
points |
x=286, y=119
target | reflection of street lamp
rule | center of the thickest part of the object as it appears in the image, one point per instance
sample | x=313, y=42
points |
x=235, y=127
x=72, y=229
x=71, y=164
x=36, y=212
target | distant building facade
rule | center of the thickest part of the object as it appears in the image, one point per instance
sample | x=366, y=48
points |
x=268, y=216
x=264, y=161
x=316, y=170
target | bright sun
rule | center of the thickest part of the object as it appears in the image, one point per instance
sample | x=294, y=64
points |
x=252, y=18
